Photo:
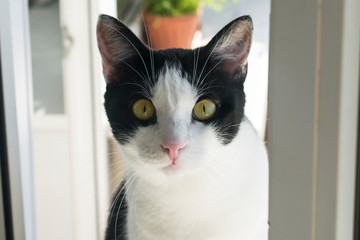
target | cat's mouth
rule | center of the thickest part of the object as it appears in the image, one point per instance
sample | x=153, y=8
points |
x=167, y=165
x=171, y=167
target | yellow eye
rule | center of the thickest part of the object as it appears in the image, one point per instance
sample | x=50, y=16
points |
x=143, y=109
x=204, y=109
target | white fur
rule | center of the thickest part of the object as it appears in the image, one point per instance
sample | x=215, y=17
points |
x=216, y=191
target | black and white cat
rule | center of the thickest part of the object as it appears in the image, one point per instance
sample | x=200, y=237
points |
x=197, y=169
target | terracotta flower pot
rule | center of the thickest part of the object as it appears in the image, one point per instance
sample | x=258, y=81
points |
x=171, y=32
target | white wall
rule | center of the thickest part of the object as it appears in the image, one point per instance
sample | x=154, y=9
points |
x=52, y=178
x=313, y=94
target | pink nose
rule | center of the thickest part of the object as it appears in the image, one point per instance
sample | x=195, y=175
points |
x=172, y=149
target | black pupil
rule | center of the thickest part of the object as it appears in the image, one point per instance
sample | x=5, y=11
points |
x=204, y=108
x=144, y=108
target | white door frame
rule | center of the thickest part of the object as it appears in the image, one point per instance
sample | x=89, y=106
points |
x=313, y=97
x=16, y=73
x=83, y=94
x=84, y=101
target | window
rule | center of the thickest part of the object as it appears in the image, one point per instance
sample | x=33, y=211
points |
x=313, y=97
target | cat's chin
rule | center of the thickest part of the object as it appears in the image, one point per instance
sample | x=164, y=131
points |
x=172, y=169
x=164, y=171
x=177, y=171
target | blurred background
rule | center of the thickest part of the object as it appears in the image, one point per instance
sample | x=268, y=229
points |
x=77, y=165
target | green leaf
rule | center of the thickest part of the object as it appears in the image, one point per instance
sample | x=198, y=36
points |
x=180, y=7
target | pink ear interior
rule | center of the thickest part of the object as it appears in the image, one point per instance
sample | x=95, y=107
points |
x=233, y=45
x=106, y=54
x=235, y=57
x=117, y=45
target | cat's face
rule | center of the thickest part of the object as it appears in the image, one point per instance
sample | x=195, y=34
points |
x=174, y=110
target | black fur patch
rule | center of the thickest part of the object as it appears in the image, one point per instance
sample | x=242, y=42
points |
x=134, y=76
x=226, y=90
x=117, y=217
x=137, y=73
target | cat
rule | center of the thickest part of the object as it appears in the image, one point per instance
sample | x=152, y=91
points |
x=196, y=168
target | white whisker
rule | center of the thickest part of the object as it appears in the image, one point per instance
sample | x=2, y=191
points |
x=117, y=214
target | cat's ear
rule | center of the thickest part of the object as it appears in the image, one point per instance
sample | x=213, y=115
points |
x=231, y=45
x=117, y=45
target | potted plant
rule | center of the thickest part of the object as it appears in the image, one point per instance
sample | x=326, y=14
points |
x=173, y=23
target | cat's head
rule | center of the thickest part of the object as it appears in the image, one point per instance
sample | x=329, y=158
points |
x=173, y=111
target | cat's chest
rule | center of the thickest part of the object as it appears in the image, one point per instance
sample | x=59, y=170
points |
x=198, y=197
x=198, y=215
